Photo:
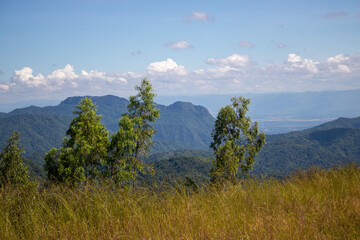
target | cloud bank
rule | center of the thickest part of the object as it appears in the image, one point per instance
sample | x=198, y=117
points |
x=229, y=74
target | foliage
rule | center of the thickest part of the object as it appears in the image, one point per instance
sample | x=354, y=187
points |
x=181, y=126
x=130, y=145
x=121, y=150
x=84, y=153
x=236, y=141
x=12, y=169
x=39, y=133
x=317, y=204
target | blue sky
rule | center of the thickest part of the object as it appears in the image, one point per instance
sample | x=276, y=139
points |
x=53, y=49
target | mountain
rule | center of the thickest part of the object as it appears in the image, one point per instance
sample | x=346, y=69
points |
x=182, y=125
x=285, y=112
x=327, y=145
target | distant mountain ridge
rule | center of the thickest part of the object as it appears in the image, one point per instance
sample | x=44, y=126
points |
x=182, y=125
x=327, y=145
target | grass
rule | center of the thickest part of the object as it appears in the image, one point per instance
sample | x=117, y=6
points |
x=316, y=204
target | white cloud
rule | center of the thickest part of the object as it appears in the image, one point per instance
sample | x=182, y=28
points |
x=296, y=63
x=200, y=16
x=339, y=64
x=232, y=74
x=59, y=76
x=4, y=87
x=343, y=69
x=233, y=60
x=25, y=76
x=246, y=44
x=338, y=59
x=94, y=75
x=168, y=66
x=179, y=45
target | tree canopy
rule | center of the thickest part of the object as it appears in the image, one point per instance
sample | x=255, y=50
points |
x=12, y=169
x=236, y=140
x=130, y=145
x=84, y=152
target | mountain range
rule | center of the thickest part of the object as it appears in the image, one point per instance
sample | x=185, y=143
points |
x=183, y=136
x=328, y=145
x=284, y=112
x=182, y=125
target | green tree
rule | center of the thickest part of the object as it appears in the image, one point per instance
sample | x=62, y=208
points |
x=84, y=152
x=130, y=145
x=121, y=157
x=12, y=169
x=236, y=140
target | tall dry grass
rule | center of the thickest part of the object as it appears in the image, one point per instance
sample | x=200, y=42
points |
x=317, y=204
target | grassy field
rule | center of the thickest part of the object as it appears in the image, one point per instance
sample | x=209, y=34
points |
x=317, y=204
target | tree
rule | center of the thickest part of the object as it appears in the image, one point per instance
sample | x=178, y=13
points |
x=84, y=152
x=236, y=140
x=130, y=145
x=121, y=157
x=12, y=169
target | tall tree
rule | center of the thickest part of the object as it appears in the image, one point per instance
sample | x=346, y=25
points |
x=236, y=140
x=12, y=169
x=84, y=152
x=130, y=145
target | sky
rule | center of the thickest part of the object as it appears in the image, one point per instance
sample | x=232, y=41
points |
x=51, y=49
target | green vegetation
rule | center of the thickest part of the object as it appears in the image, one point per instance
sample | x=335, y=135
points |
x=328, y=145
x=236, y=141
x=318, y=204
x=130, y=145
x=12, y=169
x=88, y=155
x=181, y=125
x=92, y=200
x=84, y=152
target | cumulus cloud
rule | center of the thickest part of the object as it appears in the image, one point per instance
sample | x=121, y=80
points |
x=335, y=14
x=246, y=44
x=64, y=82
x=296, y=63
x=233, y=60
x=339, y=64
x=168, y=66
x=231, y=74
x=200, y=16
x=179, y=45
x=25, y=76
x=338, y=59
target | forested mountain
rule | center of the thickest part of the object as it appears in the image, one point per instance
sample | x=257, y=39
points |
x=285, y=112
x=328, y=145
x=185, y=126
x=181, y=125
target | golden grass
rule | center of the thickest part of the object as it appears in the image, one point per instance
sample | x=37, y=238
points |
x=318, y=204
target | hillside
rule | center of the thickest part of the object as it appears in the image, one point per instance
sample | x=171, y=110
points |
x=182, y=125
x=285, y=112
x=328, y=145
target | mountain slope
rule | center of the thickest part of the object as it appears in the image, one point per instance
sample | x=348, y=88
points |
x=328, y=145
x=181, y=125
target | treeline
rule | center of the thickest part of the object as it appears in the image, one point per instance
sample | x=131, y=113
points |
x=88, y=154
